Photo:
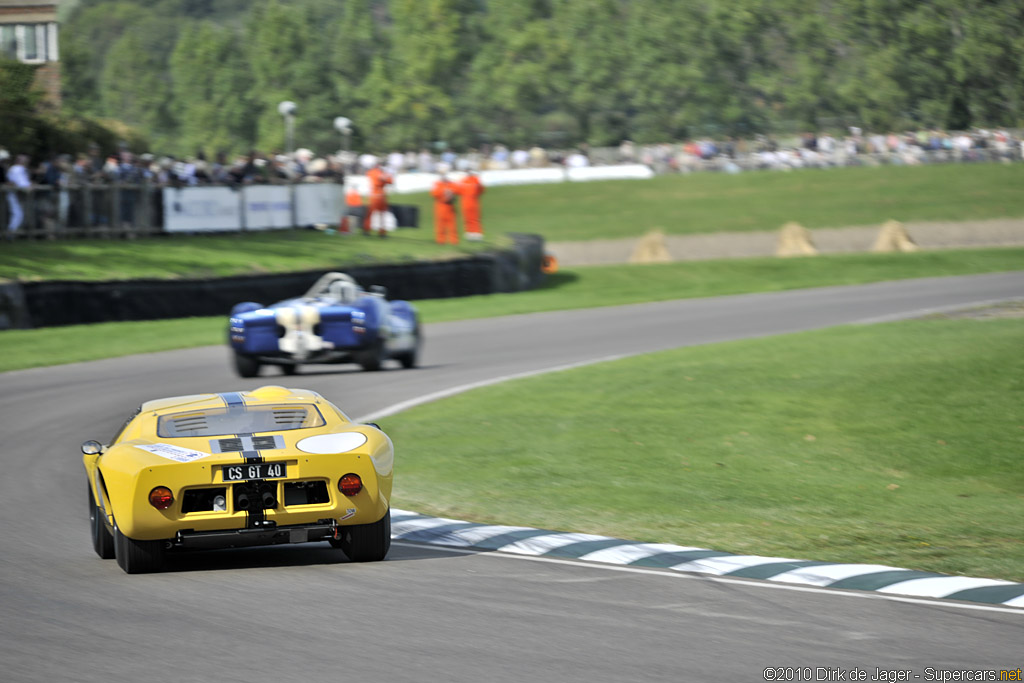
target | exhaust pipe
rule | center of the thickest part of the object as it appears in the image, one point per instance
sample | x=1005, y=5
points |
x=242, y=503
x=269, y=501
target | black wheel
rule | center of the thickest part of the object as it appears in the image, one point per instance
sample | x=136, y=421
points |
x=289, y=369
x=366, y=542
x=137, y=557
x=246, y=366
x=410, y=358
x=373, y=358
x=102, y=540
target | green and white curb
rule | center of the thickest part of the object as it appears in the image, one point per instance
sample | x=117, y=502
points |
x=416, y=528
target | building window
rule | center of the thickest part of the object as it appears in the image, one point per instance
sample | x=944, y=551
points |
x=8, y=42
x=32, y=43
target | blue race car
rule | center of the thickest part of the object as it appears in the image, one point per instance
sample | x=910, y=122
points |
x=336, y=321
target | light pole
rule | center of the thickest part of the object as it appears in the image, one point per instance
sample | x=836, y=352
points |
x=343, y=126
x=287, y=109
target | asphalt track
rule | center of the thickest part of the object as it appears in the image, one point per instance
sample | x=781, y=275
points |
x=427, y=614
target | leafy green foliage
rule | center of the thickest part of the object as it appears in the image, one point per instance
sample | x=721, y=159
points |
x=554, y=72
x=18, y=99
x=221, y=110
x=135, y=84
x=28, y=128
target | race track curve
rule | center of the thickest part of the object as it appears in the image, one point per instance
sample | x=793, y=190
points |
x=303, y=613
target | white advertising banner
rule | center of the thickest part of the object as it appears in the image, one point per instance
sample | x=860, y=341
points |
x=422, y=182
x=319, y=203
x=621, y=172
x=406, y=183
x=523, y=176
x=202, y=209
x=267, y=207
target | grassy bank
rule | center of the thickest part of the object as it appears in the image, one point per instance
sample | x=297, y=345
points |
x=697, y=203
x=204, y=256
x=710, y=202
x=581, y=288
x=893, y=444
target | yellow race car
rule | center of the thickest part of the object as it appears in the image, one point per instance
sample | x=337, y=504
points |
x=236, y=469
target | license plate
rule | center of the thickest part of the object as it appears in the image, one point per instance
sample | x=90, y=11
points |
x=256, y=470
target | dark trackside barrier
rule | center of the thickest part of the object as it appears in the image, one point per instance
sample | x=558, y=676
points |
x=406, y=215
x=46, y=304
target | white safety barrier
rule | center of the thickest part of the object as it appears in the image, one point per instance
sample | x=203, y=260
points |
x=202, y=209
x=267, y=207
x=407, y=183
x=320, y=203
x=252, y=207
x=623, y=172
x=523, y=176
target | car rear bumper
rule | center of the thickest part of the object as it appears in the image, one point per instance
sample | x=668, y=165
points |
x=266, y=535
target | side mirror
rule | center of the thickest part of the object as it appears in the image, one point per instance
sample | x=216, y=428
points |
x=92, y=447
x=374, y=425
x=379, y=290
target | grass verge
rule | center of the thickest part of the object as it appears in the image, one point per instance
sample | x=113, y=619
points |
x=580, y=288
x=218, y=255
x=714, y=202
x=894, y=444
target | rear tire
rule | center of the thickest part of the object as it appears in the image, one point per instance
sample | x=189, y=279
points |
x=410, y=358
x=102, y=540
x=373, y=358
x=366, y=542
x=137, y=557
x=289, y=369
x=246, y=366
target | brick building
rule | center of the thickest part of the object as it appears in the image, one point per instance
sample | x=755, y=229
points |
x=28, y=33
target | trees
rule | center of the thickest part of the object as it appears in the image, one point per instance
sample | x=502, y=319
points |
x=219, y=110
x=595, y=53
x=408, y=96
x=18, y=123
x=513, y=78
x=134, y=84
x=555, y=72
x=85, y=40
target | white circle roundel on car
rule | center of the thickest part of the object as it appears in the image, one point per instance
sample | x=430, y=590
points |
x=332, y=443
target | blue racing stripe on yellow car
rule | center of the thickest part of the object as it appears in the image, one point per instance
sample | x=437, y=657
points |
x=234, y=400
x=236, y=403
x=252, y=456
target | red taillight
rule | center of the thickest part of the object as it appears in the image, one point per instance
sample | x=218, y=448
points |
x=161, y=498
x=350, y=484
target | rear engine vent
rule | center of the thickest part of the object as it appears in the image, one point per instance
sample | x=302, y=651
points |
x=290, y=417
x=200, y=500
x=190, y=423
x=306, y=493
x=236, y=444
x=263, y=443
x=229, y=445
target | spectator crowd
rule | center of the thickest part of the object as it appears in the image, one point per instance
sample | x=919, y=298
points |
x=125, y=167
x=762, y=152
